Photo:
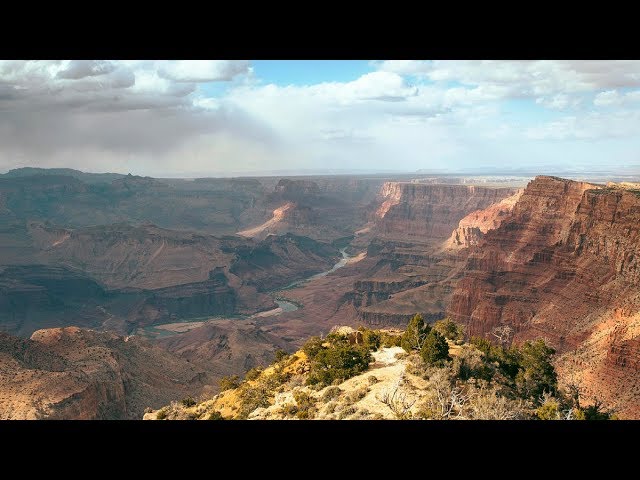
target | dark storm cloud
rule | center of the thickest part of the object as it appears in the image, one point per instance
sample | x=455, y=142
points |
x=114, y=107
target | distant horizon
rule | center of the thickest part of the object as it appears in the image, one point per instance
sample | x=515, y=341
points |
x=596, y=171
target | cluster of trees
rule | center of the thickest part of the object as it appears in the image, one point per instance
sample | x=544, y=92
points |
x=484, y=380
x=430, y=342
x=525, y=371
x=480, y=380
x=335, y=358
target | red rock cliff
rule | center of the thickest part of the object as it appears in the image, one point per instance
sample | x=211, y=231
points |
x=430, y=212
x=563, y=266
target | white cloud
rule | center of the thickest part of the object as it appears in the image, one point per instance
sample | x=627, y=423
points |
x=75, y=69
x=528, y=78
x=202, y=70
x=54, y=109
x=605, y=99
x=559, y=101
x=593, y=126
x=611, y=98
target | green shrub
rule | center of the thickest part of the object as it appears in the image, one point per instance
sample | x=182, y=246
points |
x=549, y=410
x=312, y=347
x=536, y=375
x=337, y=362
x=253, y=397
x=449, y=329
x=253, y=373
x=280, y=355
x=162, y=414
x=595, y=412
x=289, y=410
x=305, y=404
x=188, y=402
x=349, y=410
x=482, y=344
x=471, y=363
x=356, y=395
x=388, y=340
x=229, y=383
x=435, y=349
x=415, y=334
x=371, y=338
x=215, y=415
x=527, y=370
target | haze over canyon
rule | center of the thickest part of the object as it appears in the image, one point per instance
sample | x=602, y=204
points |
x=120, y=292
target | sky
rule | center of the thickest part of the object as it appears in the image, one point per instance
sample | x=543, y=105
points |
x=222, y=117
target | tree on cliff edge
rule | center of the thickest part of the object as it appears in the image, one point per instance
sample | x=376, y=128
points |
x=413, y=337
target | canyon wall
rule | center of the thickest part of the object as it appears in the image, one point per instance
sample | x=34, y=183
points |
x=427, y=213
x=563, y=266
x=415, y=265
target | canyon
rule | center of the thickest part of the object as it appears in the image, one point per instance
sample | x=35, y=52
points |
x=107, y=280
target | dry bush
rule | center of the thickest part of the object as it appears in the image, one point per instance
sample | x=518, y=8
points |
x=330, y=393
x=331, y=407
x=345, y=412
x=398, y=400
x=487, y=404
x=296, y=381
x=356, y=395
x=444, y=399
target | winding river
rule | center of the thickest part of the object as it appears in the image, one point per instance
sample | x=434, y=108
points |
x=174, y=328
x=343, y=261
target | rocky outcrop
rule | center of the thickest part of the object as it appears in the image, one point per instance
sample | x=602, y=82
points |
x=472, y=228
x=294, y=189
x=562, y=266
x=193, y=300
x=69, y=373
x=278, y=261
x=427, y=213
x=414, y=273
x=40, y=296
x=515, y=256
x=226, y=347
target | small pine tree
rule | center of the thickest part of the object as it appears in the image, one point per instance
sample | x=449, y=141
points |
x=253, y=373
x=537, y=375
x=449, y=329
x=435, y=348
x=371, y=339
x=229, y=383
x=280, y=355
x=416, y=332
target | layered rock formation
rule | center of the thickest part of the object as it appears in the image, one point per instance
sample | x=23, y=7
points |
x=414, y=273
x=37, y=296
x=426, y=212
x=69, y=373
x=123, y=277
x=472, y=228
x=563, y=266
